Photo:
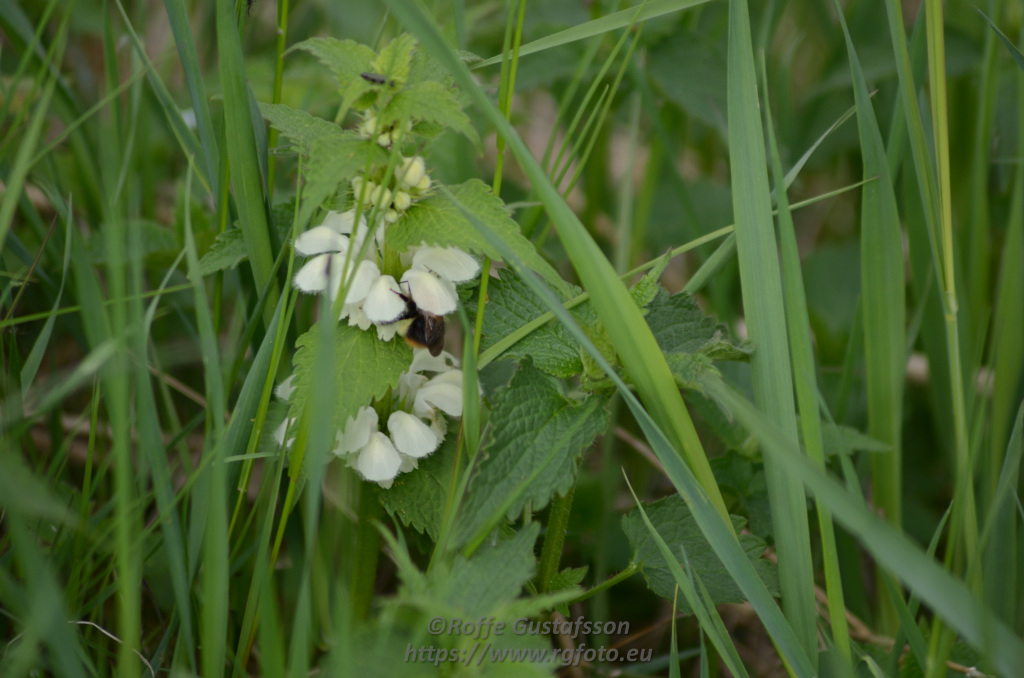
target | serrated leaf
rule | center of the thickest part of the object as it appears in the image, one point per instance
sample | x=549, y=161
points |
x=336, y=159
x=838, y=439
x=395, y=59
x=430, y=102
x=228, y=250
x=680, y=326
x=645, y=290
x=673, y=521
x=493, y=576
x=300, y=127
x=437, y=220
x=566, y=580
x=365, y=369
x=347, y=59
x=536, y=438
x=689, y=368
x=510, y=305
x=417, y=498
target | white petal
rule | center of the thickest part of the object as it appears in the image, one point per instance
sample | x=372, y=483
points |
x=356, y=316
x=408, y=385
x=357, y=431
x=448, y=262
x=444, y=391
x=411, y=171
x=378, y=460
x=360, y=278
x=280, y=431
x=387, y=331
x=408, y=464
x=384, y=303
x=285, y=388
x=411, y=436
x=343, y=222
x=320, y=239
x=430, y=293
x=313, y=276
x=422, y=361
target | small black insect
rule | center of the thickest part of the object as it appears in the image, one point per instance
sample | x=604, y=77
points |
x=376, y=79
x=421, y=329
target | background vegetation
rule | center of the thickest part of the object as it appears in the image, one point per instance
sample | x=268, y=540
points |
x=147, y=524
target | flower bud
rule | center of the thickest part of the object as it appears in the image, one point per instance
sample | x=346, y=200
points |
x=412, y=171
x=424, y=183
x=402, y=200
x=384, y=140
x=391, y=216
x=380, y=196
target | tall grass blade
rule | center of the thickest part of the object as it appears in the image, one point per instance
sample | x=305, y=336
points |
x=765, y=317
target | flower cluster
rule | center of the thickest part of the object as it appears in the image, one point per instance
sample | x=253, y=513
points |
x=416, y=426
x=372, y=297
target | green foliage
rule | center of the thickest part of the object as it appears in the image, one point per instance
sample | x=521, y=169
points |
x=418, y=499
x=366, y=368
x=672, y=519
x=536, y=438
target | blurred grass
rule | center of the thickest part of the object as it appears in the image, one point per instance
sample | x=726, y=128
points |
x=127, y=143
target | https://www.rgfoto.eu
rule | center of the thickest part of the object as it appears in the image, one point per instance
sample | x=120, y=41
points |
x=483, y=649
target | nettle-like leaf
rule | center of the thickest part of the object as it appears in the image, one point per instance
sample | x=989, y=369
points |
x=418, y=498
x=336, y=159
x=567, y=580
x=365, y=368
x=298, y=126
x=493, y=576
x=437, y=220
x=394, y=60
x=673, y=521
x=680, y=326
x=228, y=248
x=432, y=103
x=537, y=436
x=347, y=60
x=510, y=305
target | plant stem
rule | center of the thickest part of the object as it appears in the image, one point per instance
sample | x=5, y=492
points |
x=367, y=548
x=554, y=539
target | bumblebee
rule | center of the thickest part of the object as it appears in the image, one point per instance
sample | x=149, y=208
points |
x=420, y=328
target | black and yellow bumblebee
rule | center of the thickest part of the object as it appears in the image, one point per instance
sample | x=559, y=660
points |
x=419, y=328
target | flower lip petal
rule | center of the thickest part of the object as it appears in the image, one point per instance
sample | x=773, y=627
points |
x=320, y=239
x=384, y=303
x=431, y=294
x=448, y=262
x=361, y=276
x=443, y=391
x=379, y=461
x=357, y=431
x=412, y=437
x=343, y=222
x=313, y=276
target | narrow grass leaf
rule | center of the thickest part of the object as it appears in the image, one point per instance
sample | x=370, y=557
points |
x=765, y=317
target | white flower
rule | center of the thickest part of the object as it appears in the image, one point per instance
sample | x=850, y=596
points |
x=443, y=391
x=378, y=460
x=357, y=432
x=384, y=302
x=345, y=224
x=285, y=388
x=450, y=263
x=412, y=437
x=411, y=382
x=431, y=293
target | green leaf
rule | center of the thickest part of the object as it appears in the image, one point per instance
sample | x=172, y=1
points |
x=645, y=290
x=227, y=251
x=680, y=326
x=536, y=438
x=493, y=576
x=336, y=159
x=838, y=439
x=430, y=102
x=418, y=498
x=299, y=126
x=672, y=519
x=395, y=59
x=567, y=580
x=698, y=89
x=365, y=369
x=346, y=59
x=437, y=220
x=510, y=305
